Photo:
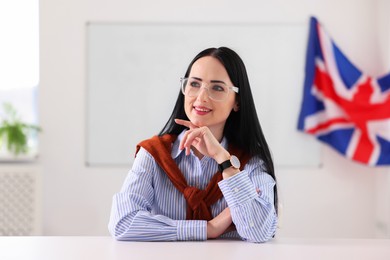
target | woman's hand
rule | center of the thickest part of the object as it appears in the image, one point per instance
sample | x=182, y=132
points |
x=203, y=140
x=220, y=224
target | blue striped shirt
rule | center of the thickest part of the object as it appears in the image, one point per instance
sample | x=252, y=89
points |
x=149, y=208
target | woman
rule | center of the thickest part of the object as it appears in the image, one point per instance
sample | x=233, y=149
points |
x=209, y=172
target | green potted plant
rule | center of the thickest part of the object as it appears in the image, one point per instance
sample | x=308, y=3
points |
x=14, y=132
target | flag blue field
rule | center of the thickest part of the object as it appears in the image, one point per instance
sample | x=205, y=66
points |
x=342, y=106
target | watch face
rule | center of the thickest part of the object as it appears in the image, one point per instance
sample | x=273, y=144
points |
x=235, y=162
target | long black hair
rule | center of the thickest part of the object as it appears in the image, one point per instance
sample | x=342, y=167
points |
x=242, y=128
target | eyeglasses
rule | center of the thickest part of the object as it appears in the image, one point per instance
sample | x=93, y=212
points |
x=217, y=90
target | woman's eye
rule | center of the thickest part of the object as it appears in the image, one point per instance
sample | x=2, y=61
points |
x=218, y=88
x=195, y=84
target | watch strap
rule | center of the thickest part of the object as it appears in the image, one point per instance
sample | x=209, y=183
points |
x=226, y=164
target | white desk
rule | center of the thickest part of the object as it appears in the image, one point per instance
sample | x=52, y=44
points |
x=96, y=248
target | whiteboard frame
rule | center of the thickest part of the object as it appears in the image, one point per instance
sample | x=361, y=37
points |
x=306, y=151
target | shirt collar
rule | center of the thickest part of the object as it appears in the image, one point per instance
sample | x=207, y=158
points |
x=175, y=147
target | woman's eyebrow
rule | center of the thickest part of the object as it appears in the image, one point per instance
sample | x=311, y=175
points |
x=217, y=81
x=197, y=78
x=211, y=81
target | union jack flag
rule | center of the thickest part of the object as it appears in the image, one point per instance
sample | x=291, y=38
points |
x=342, y=106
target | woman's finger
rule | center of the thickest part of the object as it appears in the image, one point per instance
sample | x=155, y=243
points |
x=185, y=123
x=185, y=143
x=192, y=137
x=183, y=140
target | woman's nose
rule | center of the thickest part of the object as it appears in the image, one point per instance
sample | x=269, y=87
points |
x=203, y=94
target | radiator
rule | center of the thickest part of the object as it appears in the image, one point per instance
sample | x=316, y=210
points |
x=20, y=200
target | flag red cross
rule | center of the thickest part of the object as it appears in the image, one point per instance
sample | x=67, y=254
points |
x=359, y=111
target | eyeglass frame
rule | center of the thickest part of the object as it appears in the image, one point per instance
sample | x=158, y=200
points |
x=232, y=88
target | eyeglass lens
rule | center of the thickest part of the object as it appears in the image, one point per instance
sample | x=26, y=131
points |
x=217, y=91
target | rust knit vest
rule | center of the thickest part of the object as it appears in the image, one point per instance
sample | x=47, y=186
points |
x=198, y=201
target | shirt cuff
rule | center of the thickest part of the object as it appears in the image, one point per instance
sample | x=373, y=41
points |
x=191, y=230
x=238, y=189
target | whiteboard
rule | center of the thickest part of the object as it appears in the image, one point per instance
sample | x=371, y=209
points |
x=133, y=73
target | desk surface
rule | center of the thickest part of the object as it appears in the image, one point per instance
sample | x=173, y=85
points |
x=74, y=248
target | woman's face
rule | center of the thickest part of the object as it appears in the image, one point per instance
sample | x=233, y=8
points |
x=203, y=111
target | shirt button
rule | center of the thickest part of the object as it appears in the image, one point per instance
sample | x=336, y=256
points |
x=251, y=224
x=236, y=189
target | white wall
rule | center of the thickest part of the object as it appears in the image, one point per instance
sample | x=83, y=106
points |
x=336, y=200
x=382, y=185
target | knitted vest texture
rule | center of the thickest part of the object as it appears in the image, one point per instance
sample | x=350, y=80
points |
x=198, y=201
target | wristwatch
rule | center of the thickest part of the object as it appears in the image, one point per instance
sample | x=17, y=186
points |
x=232, y=162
